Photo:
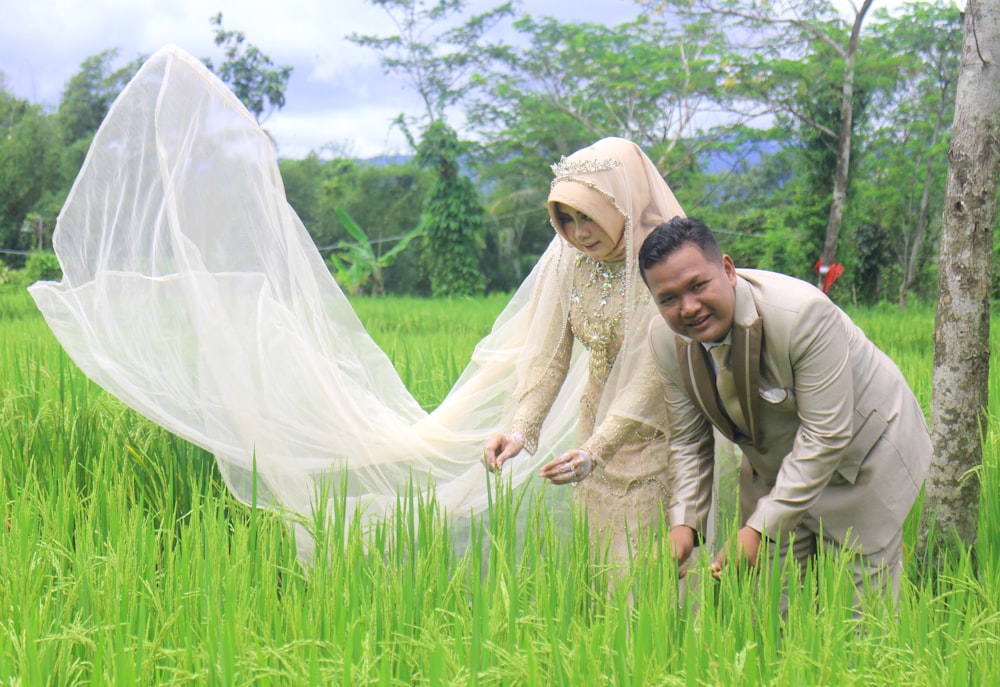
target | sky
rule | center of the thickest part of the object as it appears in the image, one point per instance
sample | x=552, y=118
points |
x=337, y=94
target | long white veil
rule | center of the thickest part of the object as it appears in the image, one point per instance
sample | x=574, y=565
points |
x=192, y=292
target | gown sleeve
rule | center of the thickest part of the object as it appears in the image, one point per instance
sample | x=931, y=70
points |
x=546, y=376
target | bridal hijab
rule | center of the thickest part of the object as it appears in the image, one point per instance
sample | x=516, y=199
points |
x=192, y=292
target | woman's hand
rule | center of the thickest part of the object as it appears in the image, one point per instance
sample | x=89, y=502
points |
x=501, y=447
x=571, y=466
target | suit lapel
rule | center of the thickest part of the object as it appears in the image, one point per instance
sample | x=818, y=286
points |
x=699, y=380
x=746, y=372
x=748, y=342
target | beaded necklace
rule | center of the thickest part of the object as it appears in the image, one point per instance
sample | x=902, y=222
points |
x=597, y=305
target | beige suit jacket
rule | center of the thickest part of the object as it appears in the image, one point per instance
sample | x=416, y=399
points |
x=838, y=442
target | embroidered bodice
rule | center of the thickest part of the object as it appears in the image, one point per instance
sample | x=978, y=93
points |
x=598, y=316
x=597, y=311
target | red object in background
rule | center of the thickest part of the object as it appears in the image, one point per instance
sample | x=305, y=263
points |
x=830, y=274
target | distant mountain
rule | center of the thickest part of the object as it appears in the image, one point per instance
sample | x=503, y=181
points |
x=743, y=157
x=386, y=160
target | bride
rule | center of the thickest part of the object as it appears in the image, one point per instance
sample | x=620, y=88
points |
x=192, y=292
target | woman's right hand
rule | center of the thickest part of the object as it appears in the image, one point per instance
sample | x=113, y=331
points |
x=500, y=447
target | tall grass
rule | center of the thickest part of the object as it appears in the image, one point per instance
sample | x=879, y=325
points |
x=124, y=560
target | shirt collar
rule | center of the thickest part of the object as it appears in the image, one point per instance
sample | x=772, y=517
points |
x=709, y=345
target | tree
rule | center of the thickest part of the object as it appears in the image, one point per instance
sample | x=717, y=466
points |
x=872, y=250
x=572, y=84
x=452, y=217
x=960, y=392
x=438, y=56
x=303, y=181
x=30, y=150
x=400, y=190
x=89, y=93
x=86, y=100
x=434, y=54
x=940, y=58
x=844, y=138
x=784, y=54
x=250, y=73
x=904, y=157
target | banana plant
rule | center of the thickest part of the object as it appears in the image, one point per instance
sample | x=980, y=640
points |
x=356, y=265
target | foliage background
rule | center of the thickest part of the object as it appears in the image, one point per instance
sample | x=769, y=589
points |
x=741, y=134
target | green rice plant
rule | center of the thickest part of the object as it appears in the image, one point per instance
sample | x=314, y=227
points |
x=908, y=338
x=126, y=561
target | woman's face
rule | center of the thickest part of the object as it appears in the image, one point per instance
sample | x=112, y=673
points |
x=584, y=233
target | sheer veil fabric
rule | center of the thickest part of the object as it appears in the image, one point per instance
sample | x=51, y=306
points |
x=192, y=292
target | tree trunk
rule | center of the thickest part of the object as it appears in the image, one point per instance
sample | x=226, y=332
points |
x=842, y=177
x=961, y=333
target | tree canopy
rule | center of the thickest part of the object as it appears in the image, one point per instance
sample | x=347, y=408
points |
x=741, y=113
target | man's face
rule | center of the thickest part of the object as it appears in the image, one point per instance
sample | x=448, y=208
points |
x=696, y=296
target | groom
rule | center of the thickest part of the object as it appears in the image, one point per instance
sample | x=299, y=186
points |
x=835, y=446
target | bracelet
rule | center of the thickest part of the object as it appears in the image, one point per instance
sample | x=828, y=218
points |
x=515, y=435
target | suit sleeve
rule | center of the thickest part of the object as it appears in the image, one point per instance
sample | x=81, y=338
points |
x=819, y=355
x=692, y=442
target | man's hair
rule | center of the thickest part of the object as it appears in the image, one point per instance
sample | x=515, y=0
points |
x=668, y=237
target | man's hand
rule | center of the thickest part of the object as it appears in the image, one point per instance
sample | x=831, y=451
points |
x=571, y=466
x=501, y=447
x=748, y=542
x=681, y=541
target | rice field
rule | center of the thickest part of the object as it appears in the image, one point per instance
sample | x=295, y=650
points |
x=124, y=561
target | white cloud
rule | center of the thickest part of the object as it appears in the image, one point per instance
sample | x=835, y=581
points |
x=337, y=91
x=298, y=134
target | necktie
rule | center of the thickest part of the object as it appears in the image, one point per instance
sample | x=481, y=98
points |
x=725, y=384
